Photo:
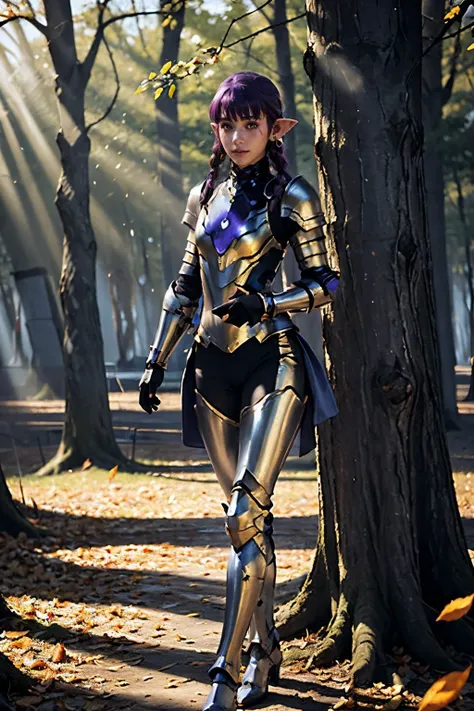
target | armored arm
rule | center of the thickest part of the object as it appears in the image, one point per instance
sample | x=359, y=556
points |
x=318, y=282
x=181, y=299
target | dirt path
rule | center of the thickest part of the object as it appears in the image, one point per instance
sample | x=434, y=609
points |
x=132, y=569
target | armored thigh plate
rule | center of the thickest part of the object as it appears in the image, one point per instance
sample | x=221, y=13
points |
x=221, y=437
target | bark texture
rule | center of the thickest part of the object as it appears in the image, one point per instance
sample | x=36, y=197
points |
x=391, y=549
x=87, y=432
x=12, y=520
x=434, y=95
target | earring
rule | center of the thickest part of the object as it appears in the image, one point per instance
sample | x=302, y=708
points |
x=279, y=142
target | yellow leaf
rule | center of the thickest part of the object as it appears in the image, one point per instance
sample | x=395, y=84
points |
x=152, y=75
x=452, y=13
x=158, y=92
x=143, y=87
x=87, y=465
x=113, y=472
x=171, y=90
x=456, y=609
x=471, y=46
x=173, y=23
x=167, y=21
x=166, y=67
x=444, y=691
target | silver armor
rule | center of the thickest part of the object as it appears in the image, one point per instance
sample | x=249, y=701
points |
x=222, y=275
x=176, y=318
x=248, y=454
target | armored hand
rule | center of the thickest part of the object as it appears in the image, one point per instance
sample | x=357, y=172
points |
x=150, y=381
x=242, y=308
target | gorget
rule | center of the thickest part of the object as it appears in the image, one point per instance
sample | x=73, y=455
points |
x=237, y=250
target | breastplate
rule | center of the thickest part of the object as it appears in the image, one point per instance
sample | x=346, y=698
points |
x=235, y=251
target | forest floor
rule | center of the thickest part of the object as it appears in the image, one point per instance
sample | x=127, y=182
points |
x=120, y=604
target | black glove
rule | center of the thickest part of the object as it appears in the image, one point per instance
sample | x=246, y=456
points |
x=241, y=308
x=148, y=385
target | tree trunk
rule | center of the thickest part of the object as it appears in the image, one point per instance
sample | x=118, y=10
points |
x=122, y=297
x=433, y=14
x=170, y=173
x=388, y=503
x=286, y=78
x=469, y=274
x=87, y=432
x=12, y=520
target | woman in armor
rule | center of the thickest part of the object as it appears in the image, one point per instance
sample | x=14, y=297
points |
x=251, y=381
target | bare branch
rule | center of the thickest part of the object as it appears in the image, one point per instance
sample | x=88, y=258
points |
x=264, y=29
x=460, y=31
x=88, y=62
x=140, y=33
x=126, y=15
x=117, y=88
x=463, y=7
x=91, y=56
x=32, y=20
x=241, y=17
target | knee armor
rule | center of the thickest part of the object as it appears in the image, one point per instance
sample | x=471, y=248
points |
x=248, y=514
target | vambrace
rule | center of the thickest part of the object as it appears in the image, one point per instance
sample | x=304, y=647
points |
x=316, y=288
x=176, y=317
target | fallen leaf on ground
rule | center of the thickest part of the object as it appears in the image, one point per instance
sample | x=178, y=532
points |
x=16, y=635
x=59, y=654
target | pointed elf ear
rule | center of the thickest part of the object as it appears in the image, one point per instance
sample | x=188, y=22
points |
x=215, y=128
x=282, y=126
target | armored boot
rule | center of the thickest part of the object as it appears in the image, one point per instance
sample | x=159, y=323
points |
x=264, y=656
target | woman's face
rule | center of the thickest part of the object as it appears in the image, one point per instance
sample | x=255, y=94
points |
x=243, y=140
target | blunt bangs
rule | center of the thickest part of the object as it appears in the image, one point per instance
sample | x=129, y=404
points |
x=246, y=95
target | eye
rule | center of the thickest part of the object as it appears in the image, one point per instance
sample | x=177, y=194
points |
x=252, y=124
x=226, y=127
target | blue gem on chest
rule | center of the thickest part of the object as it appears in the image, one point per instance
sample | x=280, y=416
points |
x=229, y=222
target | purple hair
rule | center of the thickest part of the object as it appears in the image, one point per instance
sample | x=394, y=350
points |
x=246, y=95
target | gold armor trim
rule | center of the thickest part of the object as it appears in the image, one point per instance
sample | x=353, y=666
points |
x=300, y=201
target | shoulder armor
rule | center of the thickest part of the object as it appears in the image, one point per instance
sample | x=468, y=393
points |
x=193, y=207
x=300, y=202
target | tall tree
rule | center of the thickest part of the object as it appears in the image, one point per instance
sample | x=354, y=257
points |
x=168, y=132
x=169, y=167
x=388, y=504
x=87, y=431
x=435, y=96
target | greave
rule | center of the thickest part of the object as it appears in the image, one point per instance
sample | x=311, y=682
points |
x=245, y=581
